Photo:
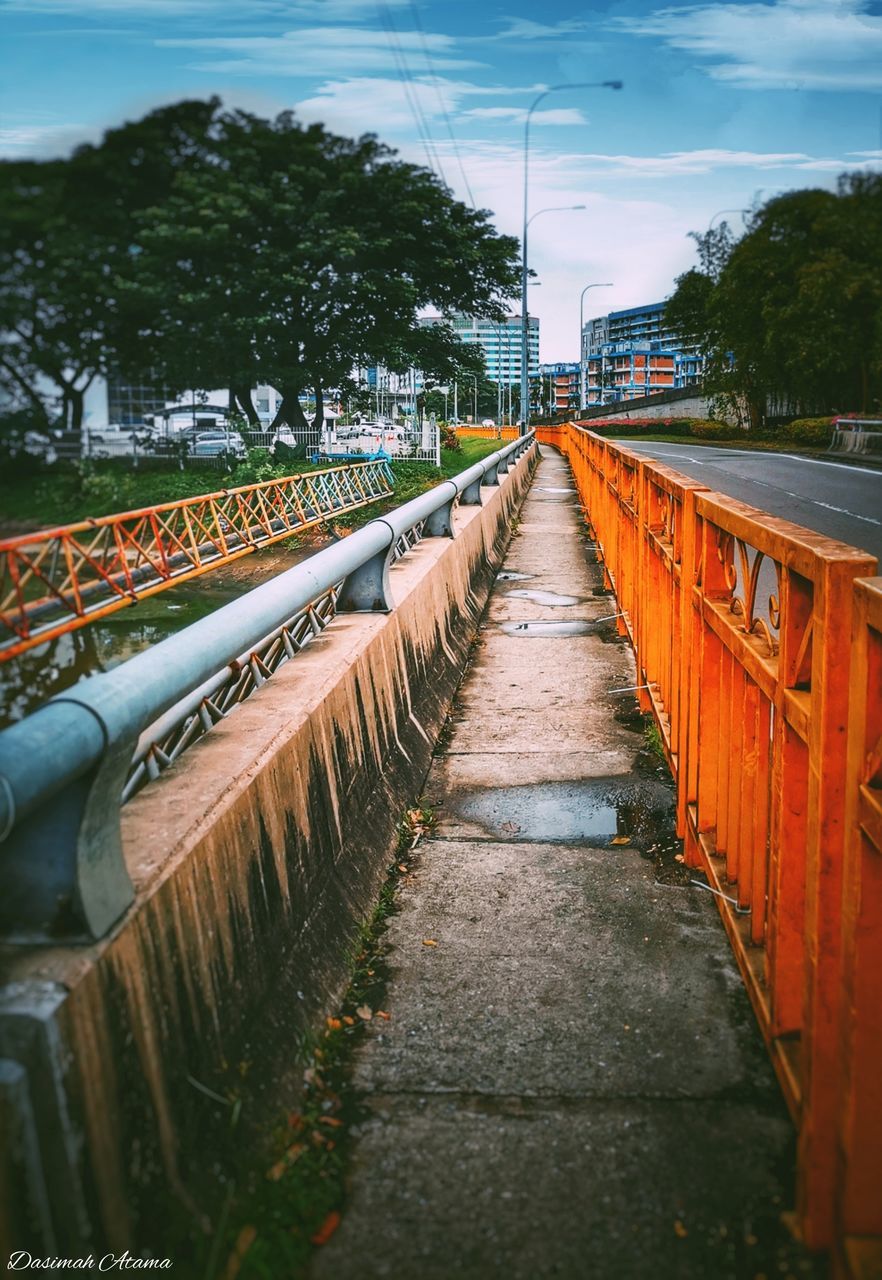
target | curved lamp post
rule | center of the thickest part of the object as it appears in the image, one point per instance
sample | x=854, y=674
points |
x=525, y=325
x=607, y=284
x=525, y=318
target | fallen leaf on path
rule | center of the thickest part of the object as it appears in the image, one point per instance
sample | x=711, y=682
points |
x=334, y=1024
x=620, y=840
x=510, y=827
x=364, y=1012
x=294, y=1152
x=244, y=1241
x=381, y=1013
x=402, y=868
x=327, y=1229
x=429, y=942
x=350, y=1022
x=680, y=1230
x=331, y=1120
x=679, y=857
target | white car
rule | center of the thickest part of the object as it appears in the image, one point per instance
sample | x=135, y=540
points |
x=210, y=444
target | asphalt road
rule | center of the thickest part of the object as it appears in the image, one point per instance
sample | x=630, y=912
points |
x=833, y=498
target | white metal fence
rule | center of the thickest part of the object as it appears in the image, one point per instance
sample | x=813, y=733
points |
x=221, y=446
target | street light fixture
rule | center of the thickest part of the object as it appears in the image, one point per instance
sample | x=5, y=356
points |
x=525, y=326
x=720, y=213
x=605, y=285
x=556, y=208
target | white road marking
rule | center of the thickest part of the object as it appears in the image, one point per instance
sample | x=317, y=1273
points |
x=754, y=453
x=800, y=497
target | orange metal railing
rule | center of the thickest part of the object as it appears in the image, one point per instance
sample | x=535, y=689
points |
x=760, y=648
x=61, y=579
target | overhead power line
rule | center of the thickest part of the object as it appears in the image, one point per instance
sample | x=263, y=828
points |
x=441, y=103
x=411, y=92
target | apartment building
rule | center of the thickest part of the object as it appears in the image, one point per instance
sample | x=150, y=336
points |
x=500, y=343
x=633, y=353
x=558, y=387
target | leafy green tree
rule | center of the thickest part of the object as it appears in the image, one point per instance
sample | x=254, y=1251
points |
x=301, y=254
x=793, y=311
x=66, y=238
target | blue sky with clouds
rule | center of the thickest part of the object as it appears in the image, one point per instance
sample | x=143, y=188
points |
x=721, y=101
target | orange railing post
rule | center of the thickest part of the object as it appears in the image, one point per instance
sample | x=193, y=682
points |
x=742, y=630
x=858, y=1194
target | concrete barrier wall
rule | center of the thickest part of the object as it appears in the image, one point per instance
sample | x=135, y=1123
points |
x=255, y=860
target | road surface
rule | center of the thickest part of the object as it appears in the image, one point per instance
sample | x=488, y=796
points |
x=833, y=498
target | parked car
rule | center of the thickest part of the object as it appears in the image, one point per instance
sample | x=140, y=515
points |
x=211, y=444
x=117, y=439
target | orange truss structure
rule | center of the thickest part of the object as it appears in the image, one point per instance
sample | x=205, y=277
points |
x=60, y=579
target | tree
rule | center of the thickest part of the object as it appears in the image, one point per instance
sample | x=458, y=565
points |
x=300, y=254
x=65, y=240
x=794, y=309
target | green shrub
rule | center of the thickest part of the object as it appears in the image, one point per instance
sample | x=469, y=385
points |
x=710, y=429
x=817, y=431
x=449, y=440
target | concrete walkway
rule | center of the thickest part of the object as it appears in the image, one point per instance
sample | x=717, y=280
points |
x=571, y=1083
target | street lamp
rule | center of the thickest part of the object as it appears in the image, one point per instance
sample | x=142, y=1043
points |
x=606, y=285
x=525, y=327
x=525, y=381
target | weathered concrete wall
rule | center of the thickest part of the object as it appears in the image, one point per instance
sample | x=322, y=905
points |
x=255, y=860
x=664, y=404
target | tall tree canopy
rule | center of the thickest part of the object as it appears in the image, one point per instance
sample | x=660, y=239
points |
x=67, y=239
x=218, y=248
x=794, y=311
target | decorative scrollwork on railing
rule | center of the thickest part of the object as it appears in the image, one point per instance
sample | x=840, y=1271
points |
x=744, y=568
x=663, y=518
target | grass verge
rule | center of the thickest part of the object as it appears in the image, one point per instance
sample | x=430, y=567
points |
x=63, y=496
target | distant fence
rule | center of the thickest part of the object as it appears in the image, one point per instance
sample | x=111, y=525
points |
x=221, y=447
x=487, y=433
x=60, y=579
x=759, y=650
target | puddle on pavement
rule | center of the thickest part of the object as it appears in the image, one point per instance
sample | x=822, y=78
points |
x=551, y=629
x=508, y=575
x=547, y=488
x=635, y=811
x=551, y=598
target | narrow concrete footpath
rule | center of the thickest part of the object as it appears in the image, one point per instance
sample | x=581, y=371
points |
x=571, y=1083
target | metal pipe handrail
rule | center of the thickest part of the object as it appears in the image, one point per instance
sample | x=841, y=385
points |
x=63, y=768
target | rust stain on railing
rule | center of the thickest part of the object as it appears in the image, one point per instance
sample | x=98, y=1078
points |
x=760, y=644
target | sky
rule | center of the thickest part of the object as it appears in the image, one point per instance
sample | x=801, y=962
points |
x=722, y=105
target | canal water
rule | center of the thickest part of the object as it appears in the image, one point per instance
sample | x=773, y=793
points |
x=27, y=681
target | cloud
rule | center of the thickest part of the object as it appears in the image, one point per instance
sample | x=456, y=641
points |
x=781, y=44
x=40, y=141
x=378, y=104
x=708, y=160
x=144, y=8
x=313, y=51
x=526, y=29
x=353, y=104
x=556, y=116
x=324, y=10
